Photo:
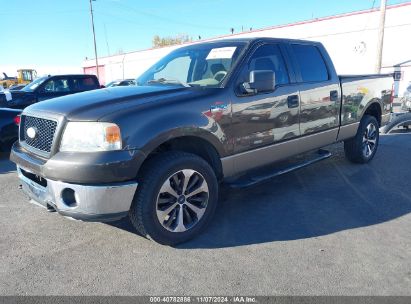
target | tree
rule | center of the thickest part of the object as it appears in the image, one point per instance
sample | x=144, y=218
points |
x=164, y=41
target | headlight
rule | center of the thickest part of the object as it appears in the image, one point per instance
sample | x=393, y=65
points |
x=91, y=137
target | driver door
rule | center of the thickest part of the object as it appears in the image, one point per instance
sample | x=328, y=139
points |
x=265, y=118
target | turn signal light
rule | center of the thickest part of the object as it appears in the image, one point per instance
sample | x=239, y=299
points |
x=113, y=134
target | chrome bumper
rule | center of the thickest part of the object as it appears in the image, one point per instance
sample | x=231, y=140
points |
x=81, y=202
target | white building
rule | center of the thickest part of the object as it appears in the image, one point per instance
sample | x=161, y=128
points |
x=351, y=40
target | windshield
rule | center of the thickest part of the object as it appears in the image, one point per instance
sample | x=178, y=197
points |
x=112, y=84
x=33, y=85
x=205, y=65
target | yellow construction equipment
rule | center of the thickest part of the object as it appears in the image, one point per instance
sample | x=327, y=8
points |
x=24, y=76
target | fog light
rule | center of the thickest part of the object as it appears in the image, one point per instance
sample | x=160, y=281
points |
x=69, y=197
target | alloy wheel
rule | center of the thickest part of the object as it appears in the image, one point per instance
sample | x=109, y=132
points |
x=369, y=140
x=182, y=200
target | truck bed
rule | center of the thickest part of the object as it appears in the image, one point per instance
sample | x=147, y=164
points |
x=359, y=90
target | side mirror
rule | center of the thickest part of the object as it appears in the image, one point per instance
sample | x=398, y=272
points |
x=260, y=81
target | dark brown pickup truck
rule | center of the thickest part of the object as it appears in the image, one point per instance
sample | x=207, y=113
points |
x=206, y=113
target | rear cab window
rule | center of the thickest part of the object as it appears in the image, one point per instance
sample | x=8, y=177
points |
x=311, y=63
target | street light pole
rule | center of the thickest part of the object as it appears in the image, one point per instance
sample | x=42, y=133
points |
x=94, y=37
x=380, y=45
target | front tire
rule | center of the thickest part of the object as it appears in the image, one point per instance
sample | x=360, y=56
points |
x=176, y=198
x=362, y=148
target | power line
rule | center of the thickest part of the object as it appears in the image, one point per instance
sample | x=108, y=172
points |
x=8, y=13
x=125, y=20
x=148, y=14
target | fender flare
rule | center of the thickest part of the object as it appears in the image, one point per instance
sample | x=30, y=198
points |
x=156, y=131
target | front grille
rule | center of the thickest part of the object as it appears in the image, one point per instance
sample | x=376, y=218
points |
x=44, y=128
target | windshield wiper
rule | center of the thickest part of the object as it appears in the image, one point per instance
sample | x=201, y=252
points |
x=169, y=81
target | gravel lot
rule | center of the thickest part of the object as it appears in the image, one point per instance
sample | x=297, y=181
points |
x=330, y=229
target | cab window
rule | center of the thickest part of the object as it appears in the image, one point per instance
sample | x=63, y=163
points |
x=266, y=57
x=27, y=76
x=311, y=63
x=56, y=85
x=84, y=84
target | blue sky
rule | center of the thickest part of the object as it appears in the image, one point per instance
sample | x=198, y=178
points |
x=58, y=32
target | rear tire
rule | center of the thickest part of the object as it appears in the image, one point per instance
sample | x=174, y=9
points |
x=362, y=148
x=175, y=199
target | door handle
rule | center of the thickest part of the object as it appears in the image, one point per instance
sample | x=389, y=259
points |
x=334, y=95
x=293, y=101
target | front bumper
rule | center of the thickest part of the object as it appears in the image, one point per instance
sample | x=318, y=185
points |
x=81, y=167
x=105, y=202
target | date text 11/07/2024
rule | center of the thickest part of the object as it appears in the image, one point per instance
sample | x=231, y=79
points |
x=202, y=299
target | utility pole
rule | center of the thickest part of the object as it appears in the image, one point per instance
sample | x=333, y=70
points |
x=94, y=37
x=380, y=45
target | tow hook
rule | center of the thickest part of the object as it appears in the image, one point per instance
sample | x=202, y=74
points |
x=50, y=207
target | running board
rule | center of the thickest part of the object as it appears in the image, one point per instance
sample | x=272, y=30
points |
x=253, y=179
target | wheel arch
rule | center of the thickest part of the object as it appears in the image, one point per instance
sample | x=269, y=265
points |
x=374, y=109
x=200, y=144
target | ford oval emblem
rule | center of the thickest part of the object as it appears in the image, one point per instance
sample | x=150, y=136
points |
x=31, y=132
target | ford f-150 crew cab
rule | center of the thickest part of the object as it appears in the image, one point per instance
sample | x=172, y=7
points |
x=204, y=114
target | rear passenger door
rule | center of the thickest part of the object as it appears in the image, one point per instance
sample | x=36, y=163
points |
x=265, y=118
x=83, y=83
x=319, y=88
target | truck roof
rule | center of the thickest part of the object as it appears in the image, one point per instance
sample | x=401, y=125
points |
x=71, y=75
x=257, y=39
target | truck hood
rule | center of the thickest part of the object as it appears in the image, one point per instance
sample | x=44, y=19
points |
x=15, y=97
x=18, y=94
x=93, y=105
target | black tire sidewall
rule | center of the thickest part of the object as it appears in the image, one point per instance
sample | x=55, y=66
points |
x=153, y=227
